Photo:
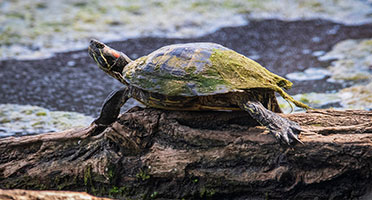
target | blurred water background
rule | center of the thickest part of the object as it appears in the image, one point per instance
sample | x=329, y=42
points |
x=41, y=29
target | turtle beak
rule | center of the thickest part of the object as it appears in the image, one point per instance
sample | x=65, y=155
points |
x=96, y=51
x=94, y=48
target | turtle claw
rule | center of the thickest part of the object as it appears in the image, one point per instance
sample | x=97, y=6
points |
x=295, y=130
x=295, y=137
x=287, y=132
x=282, y=138
x=284, y=130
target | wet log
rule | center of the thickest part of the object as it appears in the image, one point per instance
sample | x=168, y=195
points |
x=149, y=153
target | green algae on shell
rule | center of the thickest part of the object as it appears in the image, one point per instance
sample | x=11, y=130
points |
x=201, y=69
x=244, y=73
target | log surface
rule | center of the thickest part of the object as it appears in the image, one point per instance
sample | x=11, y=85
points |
x=149, y=153
x=17, y=194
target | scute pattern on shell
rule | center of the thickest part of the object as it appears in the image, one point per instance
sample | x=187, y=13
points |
x=201, y=69
x=178, y=70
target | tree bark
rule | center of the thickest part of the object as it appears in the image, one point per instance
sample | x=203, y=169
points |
x=149, y=153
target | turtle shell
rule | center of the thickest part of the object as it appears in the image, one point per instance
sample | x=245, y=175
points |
x=200, y=69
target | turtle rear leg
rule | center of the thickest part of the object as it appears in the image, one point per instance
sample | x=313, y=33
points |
x=111, y=107
x=283, y=129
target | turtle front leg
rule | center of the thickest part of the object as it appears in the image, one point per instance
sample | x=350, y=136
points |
x=111, y=107
x=283, y=129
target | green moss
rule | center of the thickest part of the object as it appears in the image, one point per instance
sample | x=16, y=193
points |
x=315, y=6
x=304, y=100
x=169, y=85
x=93, y=190
x=41, y=113
x=243, y=73
x=43, y=187
x=154, y=195
x=356, y=77
x=88, y=176
x=41, y=5
x=142, y=174
x=115, y=191
x=190, y=69
x=17, y=15
x=207, y=193
x=62, y=182
x=231, y=4
x=135, y=9
x=102, y=9
x=199, y=4
x=110, y=174
x=27, y=112
x=367, y=42
x=3, y=121
x=38, y=124
x=80, y=4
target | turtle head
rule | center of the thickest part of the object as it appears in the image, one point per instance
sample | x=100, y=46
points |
x=108, y=59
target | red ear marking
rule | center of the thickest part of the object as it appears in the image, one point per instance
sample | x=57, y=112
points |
x=116, y=54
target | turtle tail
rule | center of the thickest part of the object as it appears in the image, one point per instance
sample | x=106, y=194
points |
x=287, y=97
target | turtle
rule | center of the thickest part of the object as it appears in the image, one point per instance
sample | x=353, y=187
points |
x=197, y=77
